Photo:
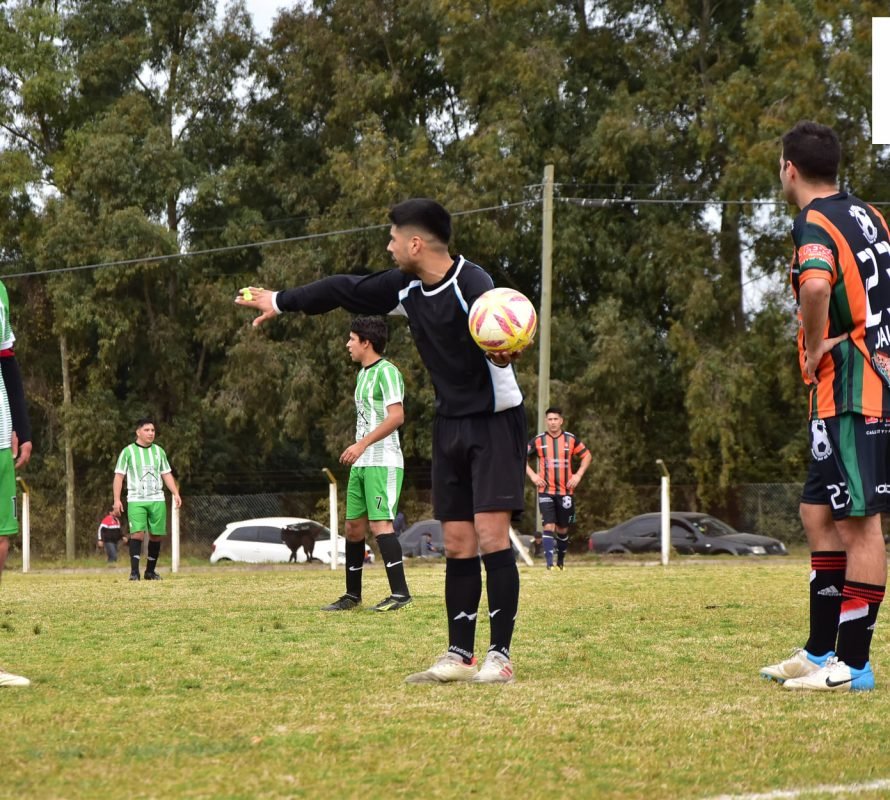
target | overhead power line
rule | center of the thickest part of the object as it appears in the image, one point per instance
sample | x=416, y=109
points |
x=605, y=202
x=248, y=245
x=586, y=202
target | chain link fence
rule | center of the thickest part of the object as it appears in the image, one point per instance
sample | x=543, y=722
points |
x=767, y=508
x=770, y=509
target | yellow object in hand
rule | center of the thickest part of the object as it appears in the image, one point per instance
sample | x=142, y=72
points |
x=246, y=294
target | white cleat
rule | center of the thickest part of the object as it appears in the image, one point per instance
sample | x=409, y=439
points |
x=449, y=667
x=799, y=665
x=835, y=676
x=496, y=668
x=8, y=679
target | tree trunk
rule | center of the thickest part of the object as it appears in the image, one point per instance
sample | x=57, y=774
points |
x=69, y=451
x=731, y=265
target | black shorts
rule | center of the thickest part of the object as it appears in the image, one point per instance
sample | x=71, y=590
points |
x=557, y=509
x=479, y=464
x=849, y=469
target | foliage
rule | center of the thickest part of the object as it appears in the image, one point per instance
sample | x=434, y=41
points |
x=154, y=128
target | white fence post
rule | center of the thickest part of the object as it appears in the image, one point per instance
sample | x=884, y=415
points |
x=174, y=538
x=665, y=512
x=26, y=526
x=521, y=548
x=335, y=524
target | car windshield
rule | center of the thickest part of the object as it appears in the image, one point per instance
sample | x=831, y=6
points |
x=710, y=526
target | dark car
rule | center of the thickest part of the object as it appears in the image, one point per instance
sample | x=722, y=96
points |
x=690, y=533
x=412, y=539
x=414, y=544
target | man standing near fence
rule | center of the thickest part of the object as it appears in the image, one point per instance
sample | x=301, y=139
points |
x=556, y=482
x=144, y=464
x=15, y=446
x=376, y=466
x=840, y=275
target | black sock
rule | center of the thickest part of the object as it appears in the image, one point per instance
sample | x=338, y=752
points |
x=154, y=550
x=391, y=553
x=859, y=612
x=562, y=545
x=502, y=584
x=826, y=587
x=135, y=554
x=355, y=561
x=463, y=591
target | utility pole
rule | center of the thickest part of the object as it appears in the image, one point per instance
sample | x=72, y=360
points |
x=544, y=310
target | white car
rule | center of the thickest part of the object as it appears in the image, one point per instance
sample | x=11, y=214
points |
x=258, y=541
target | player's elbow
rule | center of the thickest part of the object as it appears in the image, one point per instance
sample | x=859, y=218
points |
x=815, y=290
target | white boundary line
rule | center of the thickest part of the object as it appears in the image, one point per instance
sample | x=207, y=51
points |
x=781, y=794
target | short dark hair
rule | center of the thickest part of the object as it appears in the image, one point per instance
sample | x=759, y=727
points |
x=814, y=149
x=144, y=421
x=373, y=330
x=423, y=213
x=555, y=409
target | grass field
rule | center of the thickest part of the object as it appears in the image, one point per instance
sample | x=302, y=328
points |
x=632, y=681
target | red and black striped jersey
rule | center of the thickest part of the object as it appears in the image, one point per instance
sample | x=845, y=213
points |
x=846, y=241
x=555, y=455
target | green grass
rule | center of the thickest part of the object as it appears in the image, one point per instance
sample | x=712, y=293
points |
x=632, y=681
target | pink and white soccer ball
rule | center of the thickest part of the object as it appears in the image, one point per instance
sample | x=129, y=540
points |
x=503, y=321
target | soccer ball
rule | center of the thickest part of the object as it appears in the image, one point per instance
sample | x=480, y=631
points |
x=503, y=321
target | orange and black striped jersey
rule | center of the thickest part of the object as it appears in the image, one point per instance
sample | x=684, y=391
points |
x=846, y=241
x=555, y=459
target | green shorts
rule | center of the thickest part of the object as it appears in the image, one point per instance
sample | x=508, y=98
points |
x=150, y=517
x=373, y=492
x=9, y=519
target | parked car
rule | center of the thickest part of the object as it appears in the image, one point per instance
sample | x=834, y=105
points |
x=257, y=541
x=411, y=539
x=690, y=533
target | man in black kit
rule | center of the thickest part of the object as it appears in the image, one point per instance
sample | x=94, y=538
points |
x=479, y=432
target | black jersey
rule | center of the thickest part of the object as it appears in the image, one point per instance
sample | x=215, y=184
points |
x=466, y=382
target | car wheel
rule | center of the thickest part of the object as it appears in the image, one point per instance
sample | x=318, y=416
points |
x=722, y=553
x=617, y=550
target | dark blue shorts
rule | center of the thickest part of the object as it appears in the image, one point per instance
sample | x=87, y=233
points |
x=557, y=509
x=849, y=468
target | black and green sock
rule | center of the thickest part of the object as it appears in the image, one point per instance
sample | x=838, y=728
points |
x=391, y=553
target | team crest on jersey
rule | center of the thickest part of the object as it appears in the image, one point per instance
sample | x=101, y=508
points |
x=868, y=228
x=815, y=252
x=151, y=481
x=819, y=441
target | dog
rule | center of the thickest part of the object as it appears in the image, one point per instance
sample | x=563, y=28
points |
x=296, y=536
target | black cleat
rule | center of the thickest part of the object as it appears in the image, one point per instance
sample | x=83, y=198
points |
x=152, y=576
x=134, y=576
x=345, y=603
x=393, y=603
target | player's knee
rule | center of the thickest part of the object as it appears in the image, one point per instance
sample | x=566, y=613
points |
x=355, y=530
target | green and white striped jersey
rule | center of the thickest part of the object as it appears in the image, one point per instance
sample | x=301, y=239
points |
x=6, y=341
x=143, y=467
x=378, y=386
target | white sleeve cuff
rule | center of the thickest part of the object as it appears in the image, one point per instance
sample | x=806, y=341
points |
x=275, y=303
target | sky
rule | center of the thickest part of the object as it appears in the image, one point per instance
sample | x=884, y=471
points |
x=263, y=12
